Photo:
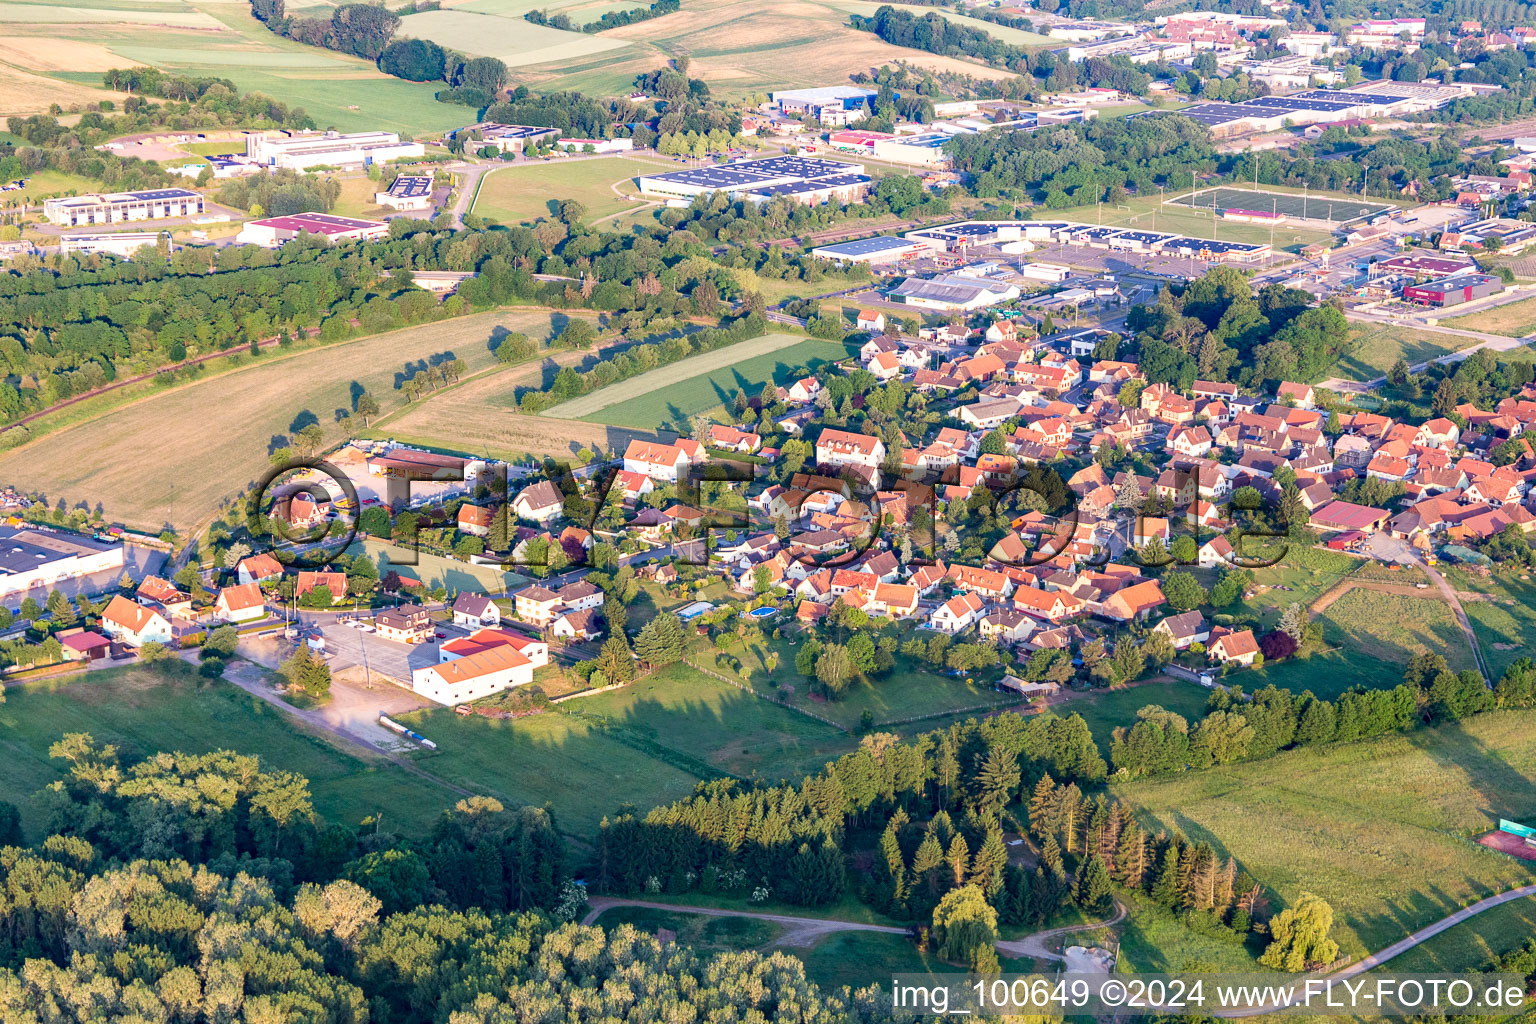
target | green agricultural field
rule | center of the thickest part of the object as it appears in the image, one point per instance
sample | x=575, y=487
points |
x=107, y=459
x=1473, y=944
x=1513, y=319
x=1379, y=829
x=1373, y=348
x=515, y=41
x=1012, y=36
x=671, y=396
x=523, y=193
x=143, y=710
x=551, y=758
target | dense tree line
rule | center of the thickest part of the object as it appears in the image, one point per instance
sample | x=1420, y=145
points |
x=610, y=19
x=201, y=888
x=1217, y=328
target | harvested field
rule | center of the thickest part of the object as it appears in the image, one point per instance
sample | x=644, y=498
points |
x=515, y=41
x=41, y=53
x=246, y=413
x=22, y=92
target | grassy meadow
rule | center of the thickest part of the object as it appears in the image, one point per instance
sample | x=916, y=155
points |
x=1373, y=348
x=1513, y=319
x=245, y=412
x=147, y=709
x=670, y=396
x=1381, y=829
x=523, y=193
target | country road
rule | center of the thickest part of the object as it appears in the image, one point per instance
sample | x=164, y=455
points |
x=804, y=931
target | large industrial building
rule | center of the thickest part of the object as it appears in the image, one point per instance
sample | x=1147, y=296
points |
x=121, y=207
x=1452, y=291
x=879, y=249
x=303, y=150
x=953, y=292
x=509, y=138
x=274, y=231
x=806, y=179
x=962, y=236
x=831, y=105
x=122, y=243
x=37, y=560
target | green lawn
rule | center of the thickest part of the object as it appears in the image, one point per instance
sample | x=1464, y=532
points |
x=144, y=710
x=525, y=192
x=861, y=959
x=1513, y=319
x=1472, y=944
x=909, y=690
x=1373, y=348
x=1104, y=710
x=698, y=932
x=1381, y=829
x=1504, y=620
x=675, y=397
x=1154, y=941
x=685, y=710
x=561, y=760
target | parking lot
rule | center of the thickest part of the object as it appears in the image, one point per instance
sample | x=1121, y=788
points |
x=348, y=646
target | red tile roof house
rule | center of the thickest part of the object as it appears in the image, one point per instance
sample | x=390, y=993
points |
x=84, y=645
x=957, y=614
x=1240, y=647
x=336, y=581
x=1134, y=602
x=241, y=603
x=1344, y=515
x=257, y=568
x=135, y=624
x=475, y=520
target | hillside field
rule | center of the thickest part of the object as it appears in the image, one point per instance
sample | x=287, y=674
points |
x=1381, y=829
x=166, y=707
x=1373, y=348
x=668, y=397
x=242, y=415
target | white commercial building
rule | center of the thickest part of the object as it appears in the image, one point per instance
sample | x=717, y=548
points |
x=407, y=192
x=953, y=292
x=124, y=243
x=274, y=231
x=303, y=150
x=37, y=560
x=120, y=207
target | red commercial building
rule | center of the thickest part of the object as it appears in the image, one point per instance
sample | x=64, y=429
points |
x=1452, y=291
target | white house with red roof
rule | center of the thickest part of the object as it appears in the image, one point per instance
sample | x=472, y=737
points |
x=240, y=603
x=663, y=462
x=256, y=568
x=135, y=624
x=1239, y=647
x=869, y=320
x=845, y=448
x=957, y=614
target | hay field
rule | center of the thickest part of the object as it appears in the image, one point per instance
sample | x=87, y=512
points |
x=210, y=37
x=1379, y=829
x=1375, y=347
x=1513, y=319
x=746, y=47
x=172, y=457
x=1012, y=36
x=515, y=41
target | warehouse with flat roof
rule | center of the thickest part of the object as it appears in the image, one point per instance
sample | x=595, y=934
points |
x=879, y=249
x=121, y=207
x=274, y=231
x=121, y=243
x=1452, y=291
x=511, y=138
x=33, y=559
x=806, y=179
x=303, y=150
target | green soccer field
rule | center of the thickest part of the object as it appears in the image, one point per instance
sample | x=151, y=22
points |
x=1340, y=210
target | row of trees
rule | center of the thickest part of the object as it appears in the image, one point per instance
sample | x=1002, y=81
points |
x=610, y=19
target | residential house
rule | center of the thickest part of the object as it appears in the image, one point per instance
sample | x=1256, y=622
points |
x=957, y=614
x=730, y=439
x=577, y=624
x=475, y=610
x=869, y=320
x=580, y=595
x=661, y=462
x=1184, y=629
x=1136, y=601
x=475, y=520
x=539, y=503
x=255, y=568
x=1239, y=647
x=405, y=625
x=129, y=622
x=240, y=603
x=335, y=582
x=536, y=604
x=1007, y=625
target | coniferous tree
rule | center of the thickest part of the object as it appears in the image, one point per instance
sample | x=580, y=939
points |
x=1092, y=891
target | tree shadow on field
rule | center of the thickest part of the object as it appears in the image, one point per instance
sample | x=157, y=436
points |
x=355, y=391
x=1503, y=790
x=275, y=442
x=498, y=335
x=1404, y=914
x=305, y=418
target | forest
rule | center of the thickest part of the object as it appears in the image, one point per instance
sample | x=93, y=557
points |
x=1217, y=328
x=205, y=887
